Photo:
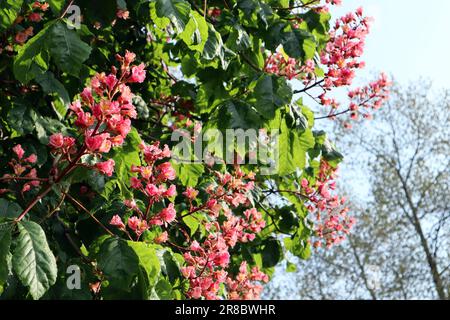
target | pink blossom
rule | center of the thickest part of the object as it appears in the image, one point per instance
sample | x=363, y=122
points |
x=138, y=73
x=56, y=140
x=35, y=17
x=163, y=237
x=168, y=214
x=19, y=151
x=117, y=222
x=166, y=172
x=106, y=167
x=190, y=193
x=31, y=159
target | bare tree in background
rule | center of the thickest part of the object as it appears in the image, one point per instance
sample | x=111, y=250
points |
x=400, y=248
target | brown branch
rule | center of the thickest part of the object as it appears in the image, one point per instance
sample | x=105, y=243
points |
x=80, y=206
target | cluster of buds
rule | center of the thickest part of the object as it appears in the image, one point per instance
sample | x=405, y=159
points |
x=35, y=15
x=23, y=170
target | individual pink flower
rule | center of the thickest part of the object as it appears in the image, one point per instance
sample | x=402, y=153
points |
x=106, y=167
x=163, y=237
x=56, y=140
x=129, y=57
x=135, y=183
x=138, y=73
x=190, y=193
x=31, y=158
x=168, y=214
x=111, y=81
x=35, y=17
x=98, y=143
x=152, y=190
x=137, y=225
x=19, y=151
x=172, y=191
x=117, y=222
x=166, y=172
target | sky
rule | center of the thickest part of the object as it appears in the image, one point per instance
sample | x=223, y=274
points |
x=409, y=39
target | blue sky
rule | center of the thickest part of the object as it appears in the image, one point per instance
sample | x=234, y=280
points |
x=409, y=39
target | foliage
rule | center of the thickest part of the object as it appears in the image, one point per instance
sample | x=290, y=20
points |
x=89, y=183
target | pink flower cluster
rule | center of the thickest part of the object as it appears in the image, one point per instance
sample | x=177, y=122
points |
x=23, y=170
x=242, y=229
x=245, y=285
x=103, y=115
x=151, y=180
x=370, y=97
x=332, y=221
x=346, y=45
x=34, y=16
x=207, y=262
x=290, y=68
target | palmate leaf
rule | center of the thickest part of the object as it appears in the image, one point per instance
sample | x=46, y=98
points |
x=56, y=40
x=188, y=173
x=293, y=144
x=33, y=261
x=122, y=262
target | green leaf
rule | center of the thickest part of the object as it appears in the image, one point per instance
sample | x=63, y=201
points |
x=5, y=243
x=291, y=156
x=148, y=260
x=195, y=33
x=9, y=10
x=238, y=39
x=188, y=173
x=50, y=85
x=32, y=58
x=178, y=11
x=271, y=92
x=299, y=245
x=192, y=223
x=56, y=5
x=67, y=49
x=118, y=262
x=33, y=261
x=164, y=290
x=297, y=43
x=293, y=143
x=169, y=265
x=9, y=209
x=272, y=252
x=214, y=47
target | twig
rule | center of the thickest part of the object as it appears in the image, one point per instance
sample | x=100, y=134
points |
x=80, y=206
